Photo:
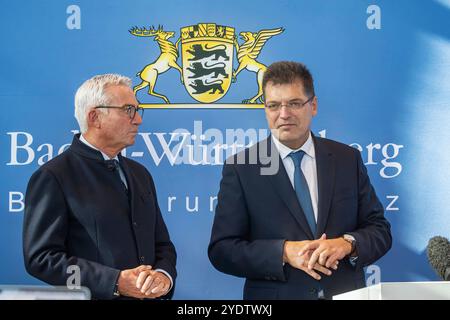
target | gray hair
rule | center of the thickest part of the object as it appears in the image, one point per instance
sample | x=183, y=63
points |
x=92, y=93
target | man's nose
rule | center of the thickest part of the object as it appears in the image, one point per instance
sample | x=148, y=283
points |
x=285, y=111
x=137, y=119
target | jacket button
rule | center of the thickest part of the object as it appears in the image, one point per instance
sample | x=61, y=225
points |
x=313, y=291
x=135, y=224
x=142, y=258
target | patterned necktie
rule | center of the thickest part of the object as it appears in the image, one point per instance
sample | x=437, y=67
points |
x=302, y=190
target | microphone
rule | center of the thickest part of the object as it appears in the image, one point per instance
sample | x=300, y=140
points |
x=438, y=252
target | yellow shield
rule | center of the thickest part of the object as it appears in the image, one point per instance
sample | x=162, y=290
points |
x=207, y=55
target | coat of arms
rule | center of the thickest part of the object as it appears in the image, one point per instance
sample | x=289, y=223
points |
x=207, y=56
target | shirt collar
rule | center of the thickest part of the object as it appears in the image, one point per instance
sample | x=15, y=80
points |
x=105, y=156
x=284, y=151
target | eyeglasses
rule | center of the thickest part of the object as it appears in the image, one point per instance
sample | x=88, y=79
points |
x=292, y=105
x=128, y=108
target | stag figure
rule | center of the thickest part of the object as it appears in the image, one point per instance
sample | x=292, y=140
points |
x=166, y=60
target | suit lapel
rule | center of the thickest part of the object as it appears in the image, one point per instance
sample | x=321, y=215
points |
x=325, y=179
x=283, y=187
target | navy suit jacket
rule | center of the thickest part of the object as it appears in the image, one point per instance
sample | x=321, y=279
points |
x=78, y=213
x=256, y=213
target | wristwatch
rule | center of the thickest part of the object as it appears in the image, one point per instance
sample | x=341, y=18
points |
x=116, y=292
x=350, y=239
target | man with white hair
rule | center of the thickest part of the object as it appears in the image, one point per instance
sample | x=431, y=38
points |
x=93, y=210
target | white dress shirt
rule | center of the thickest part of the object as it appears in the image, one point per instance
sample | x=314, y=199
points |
x=308, y=166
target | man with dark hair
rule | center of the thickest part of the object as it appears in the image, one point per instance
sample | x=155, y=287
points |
x=289, y=72
x=91, y=209
x=307, y=231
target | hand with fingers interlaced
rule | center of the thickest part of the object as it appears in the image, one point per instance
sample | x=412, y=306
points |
x=299, y=253
x=326, y=252
x=143, y=283
x=153, y=283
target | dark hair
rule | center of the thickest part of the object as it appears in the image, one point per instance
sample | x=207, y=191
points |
x=283, y=72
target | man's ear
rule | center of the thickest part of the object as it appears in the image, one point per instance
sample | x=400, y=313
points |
x=315, y=104
x=94, y=118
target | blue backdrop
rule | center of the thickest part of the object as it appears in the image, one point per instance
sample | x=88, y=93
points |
x=382, y=74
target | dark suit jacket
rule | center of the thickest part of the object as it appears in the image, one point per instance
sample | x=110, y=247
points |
x=77, y=213
x=256, y=213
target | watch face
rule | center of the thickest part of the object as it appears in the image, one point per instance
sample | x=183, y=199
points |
x=351, y=240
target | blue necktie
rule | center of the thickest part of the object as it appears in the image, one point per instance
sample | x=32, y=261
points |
x=302, y=190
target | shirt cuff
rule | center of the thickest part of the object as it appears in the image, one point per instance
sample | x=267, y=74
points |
x=353, y=261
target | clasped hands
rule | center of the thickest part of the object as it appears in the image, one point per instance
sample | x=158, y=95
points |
x=143, y=282
x=320, y=255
